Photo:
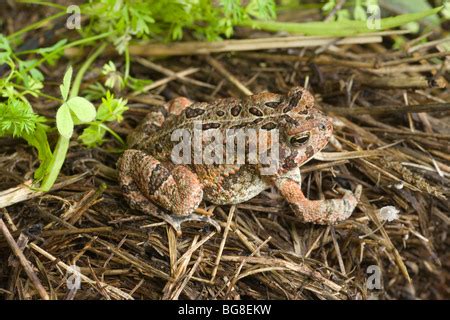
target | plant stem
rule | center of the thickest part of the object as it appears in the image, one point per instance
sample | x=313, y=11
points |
x=77, y=81
x=127, y=64
x=37, y=25
x=115, y=135
x=59, y=155
x=62, y=146
x=67, y=46
x=338, y=28
x=40, y=94
x=44, y=3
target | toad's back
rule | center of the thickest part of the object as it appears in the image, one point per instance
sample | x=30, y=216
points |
x=265, y=111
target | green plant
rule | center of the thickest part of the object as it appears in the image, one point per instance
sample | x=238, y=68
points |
x=110, y=110
x=166, y=19
x=356, y=10
x=340, y=28
x=17, y=118
x=74, y=110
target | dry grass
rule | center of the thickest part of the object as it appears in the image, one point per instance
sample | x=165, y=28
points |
x=401, y=159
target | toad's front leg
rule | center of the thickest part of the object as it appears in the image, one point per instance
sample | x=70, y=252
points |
x=145, y=182
x=317, y=211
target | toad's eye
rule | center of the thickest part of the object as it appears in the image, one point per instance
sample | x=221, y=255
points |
x=297, y=141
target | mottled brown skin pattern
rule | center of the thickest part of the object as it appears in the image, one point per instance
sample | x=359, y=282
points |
x=151, y=182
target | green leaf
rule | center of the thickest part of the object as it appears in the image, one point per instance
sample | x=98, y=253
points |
x=56, y=46
x=36, y=74
x=329, y=6
x=65, y=87
x=446, y=13
x=17, y=118
x=82, y=108
x=359, y=13
x=39, y=140
x=64, y=121
x=341, y=28
x=111, y=109
x=4, y=44
x=92, y=136
x=138, y=84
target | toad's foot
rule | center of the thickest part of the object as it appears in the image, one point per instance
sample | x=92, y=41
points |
x=138, y=202
x=176, y=221
x=318, y=211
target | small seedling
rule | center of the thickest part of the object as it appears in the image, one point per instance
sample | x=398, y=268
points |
x=74, y=110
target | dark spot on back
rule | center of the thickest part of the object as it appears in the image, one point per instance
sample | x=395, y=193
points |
x=236, y=110
x=272, y=104
x=193, y=112
x=290, y=120
x=211, y=125
x=287, y=109
x=220, y=113
x=239, y=125
x=255, y=111
x=293, y=101
x=159, y=175
x=269, y=126
x=256, y=121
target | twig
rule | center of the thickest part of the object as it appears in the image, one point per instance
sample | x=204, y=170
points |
x=428, y=44
x=235, y=278
x=335, y=9
x=177, y=292
x=408, y=68
x=287, y=265
x=415, y=59
x=402, y=82
x=338, y=251
x=194, y=48
x=168, y=72
x=162, y=82
x=411, y=133
x=113, y=291
x=53, y=233
x=23, y=261
x=24, y=192
x=379, y=110
x=222, y=243
x=218, y=66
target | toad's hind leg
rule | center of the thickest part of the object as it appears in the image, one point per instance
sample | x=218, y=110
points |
x=150, y=187
x=328, y=211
